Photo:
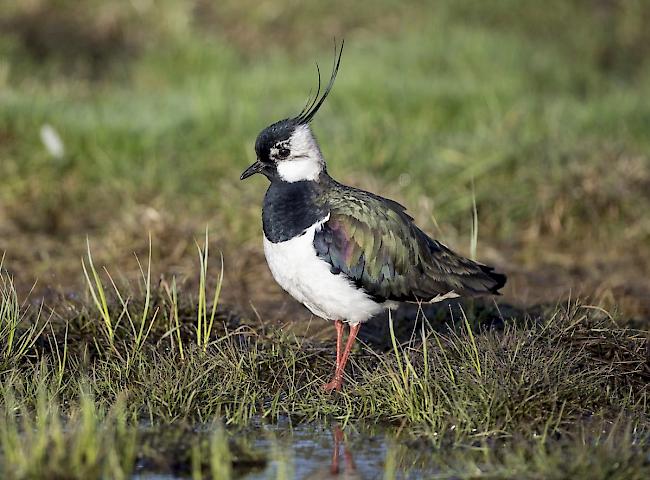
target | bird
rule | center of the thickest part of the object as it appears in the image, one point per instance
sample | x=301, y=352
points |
x=344, y=253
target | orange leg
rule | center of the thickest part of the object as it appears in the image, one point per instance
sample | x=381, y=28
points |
x=338, y=324
x=341, y=360
x=339, y=340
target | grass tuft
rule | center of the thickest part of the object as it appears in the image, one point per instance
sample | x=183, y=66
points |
x=203, y=324
x=19, y=330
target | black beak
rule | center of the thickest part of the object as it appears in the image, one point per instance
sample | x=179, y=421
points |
x=252, y=170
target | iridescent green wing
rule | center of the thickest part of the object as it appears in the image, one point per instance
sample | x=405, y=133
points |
x=375, y=243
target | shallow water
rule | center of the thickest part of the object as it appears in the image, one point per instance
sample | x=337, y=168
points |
x=323, y=452
x=320, y=451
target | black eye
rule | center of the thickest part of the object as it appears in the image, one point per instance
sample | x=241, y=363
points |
x=283, y=153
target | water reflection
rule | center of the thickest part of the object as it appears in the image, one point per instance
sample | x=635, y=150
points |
x=347, y=470
x=286, y=451
x=317, y=451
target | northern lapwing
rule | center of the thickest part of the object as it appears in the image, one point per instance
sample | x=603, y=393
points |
x=344, y=253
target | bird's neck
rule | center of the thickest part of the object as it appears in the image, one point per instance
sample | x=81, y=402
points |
x=292, y=207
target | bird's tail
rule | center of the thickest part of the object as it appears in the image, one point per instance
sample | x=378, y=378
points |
x=463, y=276
x=494, y=281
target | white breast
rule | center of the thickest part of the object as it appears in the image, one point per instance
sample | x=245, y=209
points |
x=296, y=267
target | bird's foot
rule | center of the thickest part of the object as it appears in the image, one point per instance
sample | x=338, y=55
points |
x=335, y=384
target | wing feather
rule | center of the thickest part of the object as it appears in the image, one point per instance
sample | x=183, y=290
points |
x=375, y=243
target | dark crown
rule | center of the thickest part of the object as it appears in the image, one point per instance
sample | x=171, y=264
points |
x=282, y=130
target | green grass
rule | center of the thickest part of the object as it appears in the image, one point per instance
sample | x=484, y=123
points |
x=88, y=444
x=443, y=106
x=569, y=375
x=513, y=131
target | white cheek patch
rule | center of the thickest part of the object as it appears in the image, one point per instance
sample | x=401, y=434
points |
x=299, y=170
x=305, y=162
x=302, y=141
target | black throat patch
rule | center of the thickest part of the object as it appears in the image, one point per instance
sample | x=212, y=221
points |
x=291, y=208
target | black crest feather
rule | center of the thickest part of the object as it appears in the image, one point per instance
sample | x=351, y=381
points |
x=312, y=106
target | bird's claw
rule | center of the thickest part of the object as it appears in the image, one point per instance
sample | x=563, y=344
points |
x=334, y=385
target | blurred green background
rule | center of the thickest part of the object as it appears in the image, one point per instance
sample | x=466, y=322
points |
x=538, y=111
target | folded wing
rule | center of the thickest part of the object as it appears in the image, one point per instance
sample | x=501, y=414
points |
x=375, y=243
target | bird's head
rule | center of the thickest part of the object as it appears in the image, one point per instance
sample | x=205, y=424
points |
x=287, y=150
